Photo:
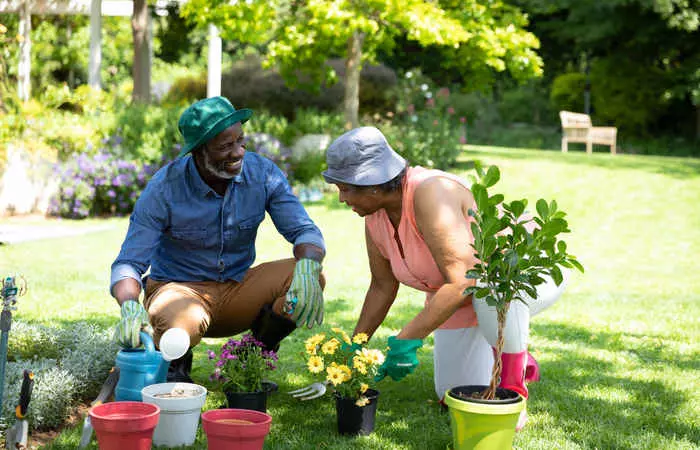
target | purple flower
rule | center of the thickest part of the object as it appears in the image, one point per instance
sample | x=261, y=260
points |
x=111, y=193
x=211, y=354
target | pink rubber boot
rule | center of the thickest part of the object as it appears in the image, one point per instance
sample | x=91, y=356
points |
x=532, y=370
x=513, y=378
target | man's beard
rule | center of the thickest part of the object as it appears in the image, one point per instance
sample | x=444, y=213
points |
x=219, y=170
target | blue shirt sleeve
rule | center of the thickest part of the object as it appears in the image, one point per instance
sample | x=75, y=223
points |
x=287, y=213
x=146, y=226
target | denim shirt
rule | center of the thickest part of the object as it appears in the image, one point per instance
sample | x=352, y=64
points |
x=185, y=231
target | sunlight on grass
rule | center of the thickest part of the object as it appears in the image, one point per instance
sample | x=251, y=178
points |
x=619, y=352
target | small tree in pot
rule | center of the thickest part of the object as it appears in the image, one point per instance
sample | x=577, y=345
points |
x=513, y=255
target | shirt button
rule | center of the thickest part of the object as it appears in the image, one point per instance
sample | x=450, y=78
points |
x=222, y=266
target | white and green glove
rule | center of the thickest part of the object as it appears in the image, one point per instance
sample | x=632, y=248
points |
x=304, y=303
x=134, y=320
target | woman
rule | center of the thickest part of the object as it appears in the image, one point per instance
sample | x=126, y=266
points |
x=417, y=233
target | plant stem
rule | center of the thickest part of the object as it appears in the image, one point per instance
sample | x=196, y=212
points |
x=490, y=393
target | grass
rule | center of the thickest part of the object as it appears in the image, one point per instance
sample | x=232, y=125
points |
x=619, y=352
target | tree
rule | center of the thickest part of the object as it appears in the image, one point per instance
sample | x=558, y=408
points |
x=644, y=56
x=302, y=35
x=142, y=66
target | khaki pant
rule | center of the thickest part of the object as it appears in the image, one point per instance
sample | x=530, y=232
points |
x=214, y=309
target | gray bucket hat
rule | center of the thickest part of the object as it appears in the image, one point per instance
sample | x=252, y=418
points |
x=362, y=157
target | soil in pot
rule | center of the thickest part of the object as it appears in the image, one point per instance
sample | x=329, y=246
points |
x=474, y=393
x=353, y=419
x=180, y=406
x=235, y=429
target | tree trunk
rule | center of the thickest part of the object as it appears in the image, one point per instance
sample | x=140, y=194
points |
x=697, y=122
x=141, y=67
x=353, y=65
x=490, y=393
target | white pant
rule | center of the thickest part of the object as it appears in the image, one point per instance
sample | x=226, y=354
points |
x=463, y=356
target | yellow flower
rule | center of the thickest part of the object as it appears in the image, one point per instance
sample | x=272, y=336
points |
x=360, y=367
x=362, y=401
x=373, y=357
x=360, y=338
x=3, y=29
x=315, y=339
x=363, y=388
x=346, y=371
x=315, y=364
x=345, y=336
x=311, y=349
x=330, y=347
x=335, y=375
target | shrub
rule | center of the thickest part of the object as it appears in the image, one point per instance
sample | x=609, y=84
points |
x=187, y=89
x=98, y=185
x=147, y=133
x=426, y=129
x=52, y=396
x=74, y=363
x=248, y=85
x=567, y=92
x=271, y=148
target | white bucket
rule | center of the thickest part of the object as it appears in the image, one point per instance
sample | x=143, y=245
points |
x=179, y=417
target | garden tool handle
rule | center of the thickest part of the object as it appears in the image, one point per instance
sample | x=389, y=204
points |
x=107, y=387
x=147, y=342
x=25, y=394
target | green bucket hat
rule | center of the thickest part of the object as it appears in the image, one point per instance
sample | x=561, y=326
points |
x=203, y=120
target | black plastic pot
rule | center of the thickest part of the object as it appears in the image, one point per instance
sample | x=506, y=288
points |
x=256, y=401
x=353, y=419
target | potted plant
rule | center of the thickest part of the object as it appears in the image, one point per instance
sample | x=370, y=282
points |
x=240, y=368
x=349, y=369
x=516, y=253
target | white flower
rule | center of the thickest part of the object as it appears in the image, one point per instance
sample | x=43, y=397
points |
x=409, y=74
x=423, y=87
x=428, y=95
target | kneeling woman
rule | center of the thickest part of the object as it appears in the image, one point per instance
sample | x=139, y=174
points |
x=417, y=233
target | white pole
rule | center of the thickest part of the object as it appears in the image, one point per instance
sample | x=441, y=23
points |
x=95, y=44
x=25, y=52
x=214, y=63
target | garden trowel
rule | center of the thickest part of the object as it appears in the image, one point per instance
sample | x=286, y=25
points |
x=17, y=435
x=106, y=392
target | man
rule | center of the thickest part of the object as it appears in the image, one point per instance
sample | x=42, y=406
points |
x=195, y=226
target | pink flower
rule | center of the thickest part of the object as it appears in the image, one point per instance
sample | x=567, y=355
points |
x=430, y=102
x=443, y=92
x=411, y=109
x=463, y=119
x=462, y=140
x=450, y=110
x=435, y=122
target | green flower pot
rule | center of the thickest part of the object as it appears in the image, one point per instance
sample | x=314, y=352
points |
x=483, y=424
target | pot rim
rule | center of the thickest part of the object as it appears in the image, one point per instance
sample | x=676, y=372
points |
x=481, y=406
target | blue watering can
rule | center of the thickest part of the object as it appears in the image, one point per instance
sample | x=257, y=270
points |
x=138, y=368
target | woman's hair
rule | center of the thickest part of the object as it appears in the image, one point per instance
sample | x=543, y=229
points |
x=392, y=185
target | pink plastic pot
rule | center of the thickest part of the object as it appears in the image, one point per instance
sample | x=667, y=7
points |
x=124, y=425
x=241, y=429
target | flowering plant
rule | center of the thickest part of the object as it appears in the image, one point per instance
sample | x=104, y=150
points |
x=348, y=366
x=242, y=363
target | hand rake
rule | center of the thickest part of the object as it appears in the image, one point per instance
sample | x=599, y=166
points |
x=310, y=392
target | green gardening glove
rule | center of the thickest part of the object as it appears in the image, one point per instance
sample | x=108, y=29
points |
x=400, y=360
x=134, y=320
x=304, y=302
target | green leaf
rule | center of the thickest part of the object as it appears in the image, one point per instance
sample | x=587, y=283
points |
x=561, y=246
x=556, y=275
x=482, y=292
x=470, y=290
x=496, y=199
x=517, y=207
x=481, y=197
x=542, y=209
x=492, y=176
x=576, y=264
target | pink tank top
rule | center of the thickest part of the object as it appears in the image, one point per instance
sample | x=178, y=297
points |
x=409, y=255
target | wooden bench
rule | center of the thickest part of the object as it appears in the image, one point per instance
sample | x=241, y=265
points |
x=578, y=128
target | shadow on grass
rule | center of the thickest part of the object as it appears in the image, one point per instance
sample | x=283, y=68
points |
x=596, y=405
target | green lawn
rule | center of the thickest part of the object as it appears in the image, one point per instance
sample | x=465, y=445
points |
x=619, y=352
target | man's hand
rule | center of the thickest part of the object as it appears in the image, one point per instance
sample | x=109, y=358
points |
x=400, y=360
x=304, y=303
x=134, y=320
